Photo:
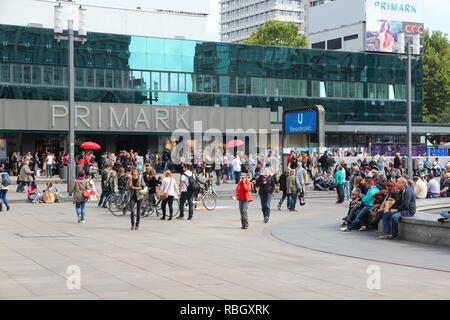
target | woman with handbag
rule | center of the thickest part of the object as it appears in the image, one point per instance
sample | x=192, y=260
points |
x=81, y=194
x=168, y=193
x=136, y=189
x=292, y=190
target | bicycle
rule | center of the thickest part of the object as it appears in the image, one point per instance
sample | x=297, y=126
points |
x=207, y=196
x=117, y=203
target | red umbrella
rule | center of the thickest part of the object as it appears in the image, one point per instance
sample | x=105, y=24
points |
x=234, y=144
x=90, y=146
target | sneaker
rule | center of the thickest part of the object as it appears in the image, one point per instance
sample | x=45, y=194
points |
x=82, y=221
x=136, y=228
x=266, y=220
x=442, y=220
x=345, y=229
x=363, y=228
x=180, y=217
x=385, y=237
x=279, y=207
x=343, y=225
x=132, y=227
x=190, y=218
x=78, y=220
x=7, y=208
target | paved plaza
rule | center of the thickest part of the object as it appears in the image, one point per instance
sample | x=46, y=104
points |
x=209, y=257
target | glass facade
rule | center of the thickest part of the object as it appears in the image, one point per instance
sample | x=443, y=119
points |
x=352, y=87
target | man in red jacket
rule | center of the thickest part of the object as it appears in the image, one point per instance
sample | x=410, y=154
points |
x=244, y=196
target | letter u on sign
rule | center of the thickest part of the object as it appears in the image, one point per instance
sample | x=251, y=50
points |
x=300, y=118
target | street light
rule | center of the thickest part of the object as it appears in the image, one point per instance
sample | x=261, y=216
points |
x=82, y=37
x=415, y=47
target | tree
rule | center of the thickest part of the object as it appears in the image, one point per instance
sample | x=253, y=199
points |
x=277, y=33
x=436, y=78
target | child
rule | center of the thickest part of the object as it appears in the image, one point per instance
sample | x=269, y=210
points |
x=93, y=191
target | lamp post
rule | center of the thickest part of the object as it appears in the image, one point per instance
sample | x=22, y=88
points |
x=411, y=49
x=70, y=38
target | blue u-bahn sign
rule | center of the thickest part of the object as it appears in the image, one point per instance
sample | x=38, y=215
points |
x=300, y=122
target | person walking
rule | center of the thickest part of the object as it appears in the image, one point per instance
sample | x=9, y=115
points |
x=49, y=160
x=168, y=193
x=135, y=198
x=244, y=197
x=186, y=181
x=236, y=166
x=266, y=184
x=5, y=181
x=104, y=183
x=292, y=190
x=25, y=176
x=79, y=191
x=283, y=188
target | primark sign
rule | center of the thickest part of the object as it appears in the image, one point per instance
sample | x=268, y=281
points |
x=33, y=115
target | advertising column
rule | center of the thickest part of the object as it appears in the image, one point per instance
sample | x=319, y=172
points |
x=386, y=19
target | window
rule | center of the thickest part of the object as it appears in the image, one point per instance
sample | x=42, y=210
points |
x=99, y=78
x=17, y=73
x=79, y=77
x=58, y=76
x=90, y=78
x=48, y=75
x=156, y=81
x=118, y=79
x=36, y=75
x=334, y=44
x=241, y=85
x=108, y=78
x=352, y=37
x=27, y=74
x=5, y=73
x=174, y=82
x=182, y=82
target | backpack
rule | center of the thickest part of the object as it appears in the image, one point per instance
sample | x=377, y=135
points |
x=193, y=187
x=6, y=180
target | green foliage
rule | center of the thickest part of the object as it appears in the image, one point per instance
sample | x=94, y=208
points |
x=280, y=34
x=436, y=78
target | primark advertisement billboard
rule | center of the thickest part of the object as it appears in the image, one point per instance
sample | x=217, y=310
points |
x=386, y=19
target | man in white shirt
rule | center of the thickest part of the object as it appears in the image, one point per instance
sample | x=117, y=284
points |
x=420, y=188
x=236, y=167
x=185, y=194
x=434, y=189
x=49, y=162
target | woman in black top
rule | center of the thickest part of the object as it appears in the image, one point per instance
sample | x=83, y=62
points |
x=152, y=183
x=135, y=197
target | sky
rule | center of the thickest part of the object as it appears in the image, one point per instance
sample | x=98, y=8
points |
x=437, y=12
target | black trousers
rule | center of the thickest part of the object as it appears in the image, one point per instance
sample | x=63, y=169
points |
x=164, y=203
x=186, y=196
x=340, y=192
x=135, y=208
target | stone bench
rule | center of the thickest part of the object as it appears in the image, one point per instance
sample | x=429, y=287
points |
x=423, y=227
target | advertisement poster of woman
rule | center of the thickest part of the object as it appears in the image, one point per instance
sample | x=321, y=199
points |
x=385, y=38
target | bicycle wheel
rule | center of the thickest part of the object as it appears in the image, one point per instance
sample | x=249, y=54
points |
x=176, y=207
x=209, y=202
x=116, y=205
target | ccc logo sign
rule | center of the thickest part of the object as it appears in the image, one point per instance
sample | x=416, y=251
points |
x=413, y=28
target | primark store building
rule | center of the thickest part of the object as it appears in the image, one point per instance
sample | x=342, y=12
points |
x=133, y=91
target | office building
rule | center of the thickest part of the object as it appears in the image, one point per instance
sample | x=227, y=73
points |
x=241, y=18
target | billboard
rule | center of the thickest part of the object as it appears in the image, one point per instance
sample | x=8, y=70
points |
x=300, y=122
x=386, y=19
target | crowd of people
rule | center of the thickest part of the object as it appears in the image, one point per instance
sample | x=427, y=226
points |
x=375, y=187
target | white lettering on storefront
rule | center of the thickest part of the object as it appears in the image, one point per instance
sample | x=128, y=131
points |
x=56, y=114
x=113, y=116
x=162, y=119
x=141, y=118
x=182, y=119
x=83, y=116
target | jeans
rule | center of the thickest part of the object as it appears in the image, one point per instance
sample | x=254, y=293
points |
x=391, y=218
x=49, y=170
x=292, y=200
x=340, y=192
x=135, y=208
x=80, y=209
x=3, y=198
x=164, y=203
x=243, y=207
x=360, y=217
x=283, y=197
x=21, y=186
x=266, y=199
x=347, y=192
x=444, y=214
x=102, y=201
x=237, y=176
x=185, y=196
